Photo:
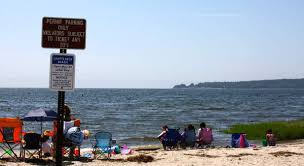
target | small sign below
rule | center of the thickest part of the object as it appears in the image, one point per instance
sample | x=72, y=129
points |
x=65, y=33
x=62, y=72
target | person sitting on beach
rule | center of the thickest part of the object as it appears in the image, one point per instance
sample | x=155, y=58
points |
x=46, y=146
x=188, y=137
x=270, y=138
x=169, y=137
x=163, y=133
x=204, y=135
x=76, y=136
x=69, y=121
x=67, y=113
x=73, y=136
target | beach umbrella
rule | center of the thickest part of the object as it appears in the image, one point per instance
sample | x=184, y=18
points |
x=40, y=115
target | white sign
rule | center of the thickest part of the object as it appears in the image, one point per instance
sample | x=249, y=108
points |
x=62, y=72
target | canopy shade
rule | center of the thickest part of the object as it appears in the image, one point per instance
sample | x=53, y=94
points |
x=40, y=115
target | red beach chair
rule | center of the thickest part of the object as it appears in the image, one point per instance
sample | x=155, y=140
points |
x=10, y=137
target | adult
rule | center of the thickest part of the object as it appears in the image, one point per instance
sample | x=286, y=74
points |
x=169, y=137
x=75, y=136
x=188, y=137
x=163, y=133
x=204, y=135
x=69, y=121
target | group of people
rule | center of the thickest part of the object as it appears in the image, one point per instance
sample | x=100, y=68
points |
x=72, y=134
x=188, y=138
x=171, y=138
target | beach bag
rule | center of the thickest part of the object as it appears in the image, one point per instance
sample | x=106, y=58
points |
x=205, y=136
x=74, y=136
x=238, y=140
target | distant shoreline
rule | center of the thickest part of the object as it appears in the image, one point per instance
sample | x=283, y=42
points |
x=258, y=84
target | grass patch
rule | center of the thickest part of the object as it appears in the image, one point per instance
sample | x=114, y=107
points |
x=284, y=130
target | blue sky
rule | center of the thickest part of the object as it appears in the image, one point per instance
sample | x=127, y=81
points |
x=157, y=43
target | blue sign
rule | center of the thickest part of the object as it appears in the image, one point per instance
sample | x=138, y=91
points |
x=63, y=59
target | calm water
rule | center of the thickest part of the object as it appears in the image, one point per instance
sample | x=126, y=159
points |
x=134, y=116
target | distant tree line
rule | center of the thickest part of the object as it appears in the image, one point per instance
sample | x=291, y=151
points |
x=279, y=83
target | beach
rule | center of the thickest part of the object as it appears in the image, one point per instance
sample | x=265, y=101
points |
x=284, y=154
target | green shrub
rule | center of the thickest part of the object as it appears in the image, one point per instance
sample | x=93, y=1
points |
x=284, y=130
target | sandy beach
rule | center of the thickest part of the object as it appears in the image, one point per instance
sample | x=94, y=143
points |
x=284, y=154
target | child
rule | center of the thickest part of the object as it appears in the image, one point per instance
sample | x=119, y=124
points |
x=46, y=146
x=270, y=138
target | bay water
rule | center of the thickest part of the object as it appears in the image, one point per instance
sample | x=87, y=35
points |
x=134, y=116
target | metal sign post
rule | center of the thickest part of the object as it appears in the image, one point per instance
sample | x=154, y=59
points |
x=61, y=96
x=62, y=78
x=62, y=33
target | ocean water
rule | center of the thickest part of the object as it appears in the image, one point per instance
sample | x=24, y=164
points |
x=134, y=116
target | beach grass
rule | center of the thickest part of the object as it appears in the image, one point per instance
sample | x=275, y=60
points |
x=284, y=130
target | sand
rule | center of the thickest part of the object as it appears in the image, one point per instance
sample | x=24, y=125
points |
x=282, y=155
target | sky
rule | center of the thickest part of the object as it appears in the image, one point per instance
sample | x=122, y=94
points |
x=157, y=43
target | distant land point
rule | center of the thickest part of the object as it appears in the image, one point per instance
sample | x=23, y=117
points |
x=276, y=83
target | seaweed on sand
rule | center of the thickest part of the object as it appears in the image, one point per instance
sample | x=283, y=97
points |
x=113, y=160
x=241, y=155
x=3, y=161
x=284, y=153
x=40, y=161
x=140, y=158
x=147, y=148
x=202, y=155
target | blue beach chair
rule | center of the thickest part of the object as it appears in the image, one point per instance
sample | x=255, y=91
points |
x=102, y=145
x=188, y=139
x=171, y=139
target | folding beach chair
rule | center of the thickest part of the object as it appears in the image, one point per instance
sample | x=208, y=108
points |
x=10, y=137
x=69, y=150
x=171, y=138
x=32, y=145
x=205, y=137
x=188, y=139
x=102, y=145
